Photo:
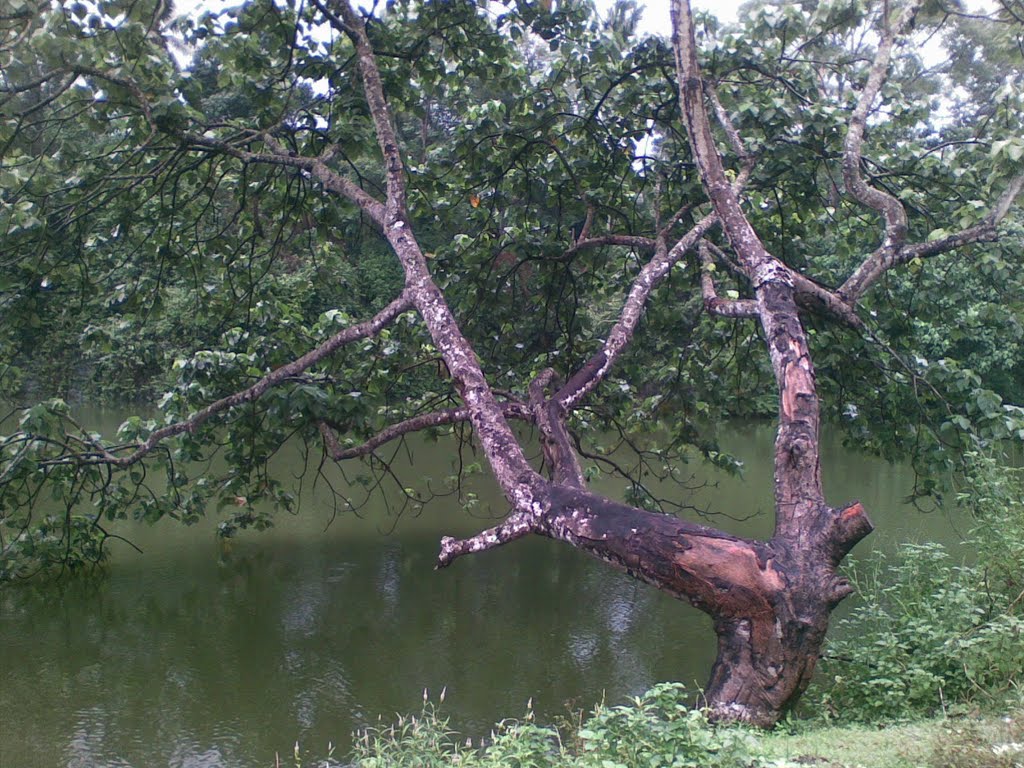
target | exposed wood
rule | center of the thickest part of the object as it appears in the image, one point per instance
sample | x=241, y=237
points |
x=768, y=645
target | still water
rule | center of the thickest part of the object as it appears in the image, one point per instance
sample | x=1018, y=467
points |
x=195, y=656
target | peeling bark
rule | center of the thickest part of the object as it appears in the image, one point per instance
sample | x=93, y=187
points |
x=769, y=641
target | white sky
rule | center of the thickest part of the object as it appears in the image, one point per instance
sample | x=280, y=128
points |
x=655, y=17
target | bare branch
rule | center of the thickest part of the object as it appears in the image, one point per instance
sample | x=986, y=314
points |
x=745, y=242
x=882, y=260
x=588, y=222
x=414, y=424
x=735, y=140
x=279, y=155
x=516, y=526
x=316, y=166
x=674, y=219
x=504, y=454
x=812, y=295
x=374, y=91
x=586, y=379
x=889, y=207
x=630, y=241
x=713, y=304
x=1002, y=206
x=127, y=83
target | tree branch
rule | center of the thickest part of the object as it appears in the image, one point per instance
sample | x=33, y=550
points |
x=373, y=89
x=279, y=155
x=586, y=379
x=798, y=492
x=513, y=472
x=353, y=333
x=549, y=416
x=891, y=209
x=414, y=424
x=516, y=526
x=882, y=260
x=712, y=303
x=735, y=140
x=630, y=241
x=315, y=166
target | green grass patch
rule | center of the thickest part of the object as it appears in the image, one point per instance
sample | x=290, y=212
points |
x=990, y=741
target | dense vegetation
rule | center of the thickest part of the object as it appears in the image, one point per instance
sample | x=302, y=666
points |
x=303, y=222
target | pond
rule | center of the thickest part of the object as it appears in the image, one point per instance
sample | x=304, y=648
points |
x=196, y=655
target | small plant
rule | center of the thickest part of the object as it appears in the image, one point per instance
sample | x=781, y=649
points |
x=655, y=730
x=416, y=742
x=660, y=728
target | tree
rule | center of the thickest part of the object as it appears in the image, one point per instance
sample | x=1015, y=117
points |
x=561, y=219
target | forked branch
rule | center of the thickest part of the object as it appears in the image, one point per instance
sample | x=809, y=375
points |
x=888, y=206
x=884, y=259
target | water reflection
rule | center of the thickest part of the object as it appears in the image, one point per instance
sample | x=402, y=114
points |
x=192, y=655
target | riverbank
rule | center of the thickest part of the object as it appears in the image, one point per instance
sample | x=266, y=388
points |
x=654, y=731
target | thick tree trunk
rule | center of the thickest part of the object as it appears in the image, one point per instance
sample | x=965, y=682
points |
x=770, y=601
x=766, y=659
x=764, y=664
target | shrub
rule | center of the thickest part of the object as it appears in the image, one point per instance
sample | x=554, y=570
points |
x=930, y=634
x=658, y=729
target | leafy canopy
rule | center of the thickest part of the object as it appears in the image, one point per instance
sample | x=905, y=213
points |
x=162, y=230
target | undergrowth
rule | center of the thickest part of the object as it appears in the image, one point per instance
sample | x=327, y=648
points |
x=655, y=730
x=659, y=730
x=931, y=636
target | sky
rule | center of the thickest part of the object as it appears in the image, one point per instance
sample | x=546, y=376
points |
x=655, y=17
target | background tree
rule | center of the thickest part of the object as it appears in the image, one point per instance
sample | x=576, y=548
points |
x=573, y=243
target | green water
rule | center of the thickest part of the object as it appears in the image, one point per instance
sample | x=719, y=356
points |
x=194, y=656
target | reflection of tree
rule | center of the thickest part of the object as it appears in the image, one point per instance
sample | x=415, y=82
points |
x=239, y=659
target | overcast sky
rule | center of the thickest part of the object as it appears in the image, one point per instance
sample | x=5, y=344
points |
x=655, y=18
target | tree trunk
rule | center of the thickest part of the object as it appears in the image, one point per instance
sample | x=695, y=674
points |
x=764, y=664
x=770, y=601
x=766, y=658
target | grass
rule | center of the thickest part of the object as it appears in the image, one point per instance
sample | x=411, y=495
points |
x=855, y=746
x=956, y=742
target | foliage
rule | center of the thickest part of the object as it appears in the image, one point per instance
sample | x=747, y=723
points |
x=930, y=635
x=658, y=729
